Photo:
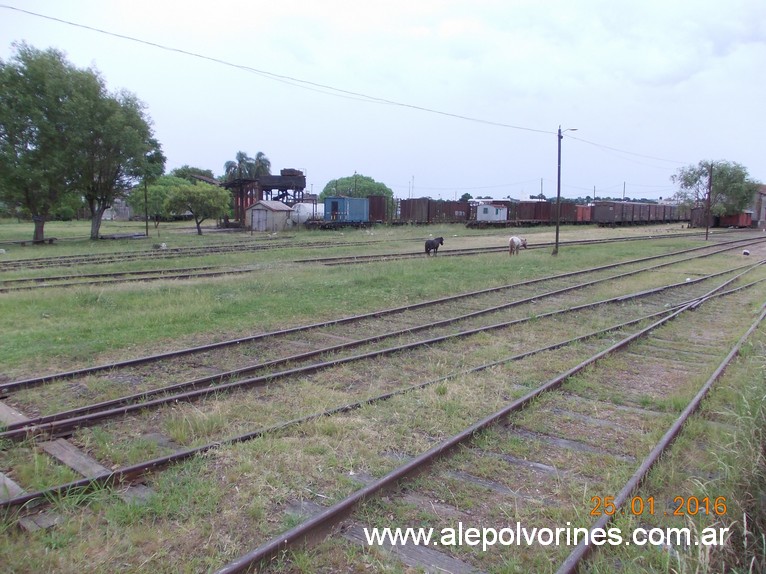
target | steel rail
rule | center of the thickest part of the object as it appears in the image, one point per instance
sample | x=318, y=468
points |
x=138, y=470
x=345, y=259
x=98, y=275
x=328, y=518
x=95, y=259
x=60, y=425
x=168, y=276
x=581, y=551
x=69, y=260
x=34, y=381
x=143, y=396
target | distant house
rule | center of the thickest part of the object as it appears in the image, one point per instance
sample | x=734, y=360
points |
x=489, y=212
x=268, y=216
x=119, y=211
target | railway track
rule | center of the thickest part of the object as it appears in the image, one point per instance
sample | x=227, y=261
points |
x=161, y=255
x=89, y=279
x=416, y=322
x=546, y=415
x=375, y=376
x=365, y=322
x=447, y=252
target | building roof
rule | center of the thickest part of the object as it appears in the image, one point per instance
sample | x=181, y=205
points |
x=206, y=179
x=271, y=205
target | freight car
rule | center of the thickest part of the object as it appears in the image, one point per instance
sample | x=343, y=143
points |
x=340, y=211
x=614, y=213
x=610, y=213
x=525, y=213
x=425, y=210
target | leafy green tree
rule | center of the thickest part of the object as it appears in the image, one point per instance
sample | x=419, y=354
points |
x=356, y=185
x=68, y=207
x=202, y=200
x=186, y=172
x=116, y=153
x=732, y=189
x=244, y=167
x=152, y=169
x=42, y=111
x=153, y=198
x=466, y=197
x=62, y=133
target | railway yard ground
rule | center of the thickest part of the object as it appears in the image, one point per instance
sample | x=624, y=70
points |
x=302, y=401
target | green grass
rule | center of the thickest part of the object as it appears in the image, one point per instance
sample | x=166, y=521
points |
x=236, y=489
x=65, y=327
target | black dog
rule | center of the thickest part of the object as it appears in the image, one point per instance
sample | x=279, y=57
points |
x=433, y=245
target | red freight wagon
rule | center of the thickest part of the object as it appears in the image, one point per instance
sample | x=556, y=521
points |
x=567, y=212
x=543, y=212
x=414, y=210
x=378, y=204
x=442, y=211
x=743, y=219
x=583, y=213
x=526, y=210
x=643, y=210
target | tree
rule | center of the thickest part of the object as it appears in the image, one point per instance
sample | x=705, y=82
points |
x=187, y=172
x=201, y=199
x=356, y=185
x=41, y=124
x=153, y=168
x=244, y=167
x=732, y=189
x=62, y=133
x=153, y=198
x=117, y=152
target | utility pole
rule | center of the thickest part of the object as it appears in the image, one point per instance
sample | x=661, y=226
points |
x=709, y=193
x=146, y=207
x=558, y=189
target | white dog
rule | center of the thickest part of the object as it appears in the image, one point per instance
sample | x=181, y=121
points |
x=514, y=243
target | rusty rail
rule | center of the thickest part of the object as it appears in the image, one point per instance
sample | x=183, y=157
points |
x=35, y=381
x=327, y=519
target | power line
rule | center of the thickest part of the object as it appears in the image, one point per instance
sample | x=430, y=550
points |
x=323, y=88
x=279, y=77
x=623, y=151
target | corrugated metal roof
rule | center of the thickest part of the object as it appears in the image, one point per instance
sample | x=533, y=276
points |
x=272, y=205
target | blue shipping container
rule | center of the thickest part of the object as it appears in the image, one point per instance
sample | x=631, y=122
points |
x=347, y=209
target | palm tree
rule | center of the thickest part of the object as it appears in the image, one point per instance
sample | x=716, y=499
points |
x=244, y=167
x=239, y=168
x=262, y=165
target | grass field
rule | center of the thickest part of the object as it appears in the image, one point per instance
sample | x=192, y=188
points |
x=60, y=328
x=57, y=329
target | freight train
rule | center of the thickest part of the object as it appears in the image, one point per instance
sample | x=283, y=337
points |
x=525, y=213
x=363, y=211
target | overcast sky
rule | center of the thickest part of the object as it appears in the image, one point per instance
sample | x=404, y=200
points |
x=433, y=97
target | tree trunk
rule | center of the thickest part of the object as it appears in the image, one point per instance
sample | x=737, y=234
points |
x=39, y=234
x=95, y=223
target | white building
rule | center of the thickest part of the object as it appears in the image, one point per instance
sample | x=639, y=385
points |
x=268, y=216
x=489, y=212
